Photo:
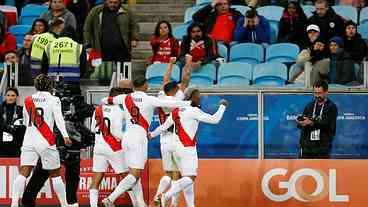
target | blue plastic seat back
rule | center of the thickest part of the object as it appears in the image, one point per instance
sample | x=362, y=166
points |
x=223, y=51
x=247, y=52
x=270, y=74
x=347, y=12
x=235, y=74
x=282, y=52
x=204, y=76
x=155, y=74
x=19, y=32
x=241, y=9
x=180, y=31
x=308, y=10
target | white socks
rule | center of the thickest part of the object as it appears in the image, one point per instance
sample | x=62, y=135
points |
x=18, y=189
x=123, y=186
x=138, y=193
x=178, y=186
x=93, y=197
x=59, y=189
x=175, y=198
x=164, y=184
x=189, y=195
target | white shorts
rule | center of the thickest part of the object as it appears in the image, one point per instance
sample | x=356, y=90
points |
x=135, y=148
x=101, y=162
x=167, y=155
x=50, y=158
x=187, y=160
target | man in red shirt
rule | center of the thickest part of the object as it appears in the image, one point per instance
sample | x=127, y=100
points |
x=220, y=20
x=198, y=45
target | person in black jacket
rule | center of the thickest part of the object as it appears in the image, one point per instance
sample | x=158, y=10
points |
x=219, y=20
x=317, y=124
x=198, y=45
x=341, y=64
x=11, y=128
x=327, y=20
x=292, y=24
x=24, y=62
x=353, y=42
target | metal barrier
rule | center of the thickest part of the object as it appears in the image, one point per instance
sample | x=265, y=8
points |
x=9, y=78
x=123, y=71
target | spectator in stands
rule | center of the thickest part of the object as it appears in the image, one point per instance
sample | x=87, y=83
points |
x=164, y=45
x=198, y=45
x=341, y=64
x=80, y=9
x=219, y=20
x=353, y=42
x=11, y=57
x=39, y=26
x=112, y=31
x=327, y=20
x=253, y=28
x=7, y=42
x=292, y=24
x=11, y=128
x=24, y=61
x=315, y=54
x=57, y=9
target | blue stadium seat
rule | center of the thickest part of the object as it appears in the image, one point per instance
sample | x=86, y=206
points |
x=282, y=52
x=223, y=51
x=31, y=12
x=203, y=2
x=241, y=9
x=155, y=73
x=347, y=12
x=270, y=74
x=363, y=15
x=97, y=2
x=19, y=31
x=247, y=52
x=234, y=74
x=363, y=30
x=205, y=76
x=189, y=13
x=273, y=14
x=180, y=31
x=308, y=10
x=9, y=2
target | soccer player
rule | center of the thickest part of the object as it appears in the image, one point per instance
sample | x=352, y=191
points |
x=139, y=107
x=185, y=121
x=40, y=113
x=108, y=122
x=170, y=91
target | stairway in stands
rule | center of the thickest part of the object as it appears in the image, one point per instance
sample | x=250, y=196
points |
x=148, y=13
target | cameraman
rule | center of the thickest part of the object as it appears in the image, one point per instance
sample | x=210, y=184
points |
x=75, y=111
x=11, y=129
x=318, y=125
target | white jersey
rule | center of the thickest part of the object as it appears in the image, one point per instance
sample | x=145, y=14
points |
x=49, y=109
x=114, y=119
x=145, y=106
x=166, y=136
x=189, y=120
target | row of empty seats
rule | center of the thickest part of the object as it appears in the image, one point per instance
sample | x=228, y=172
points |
x=228, y=74
x=255, y=53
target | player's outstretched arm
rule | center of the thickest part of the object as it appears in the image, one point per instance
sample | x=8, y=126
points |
x=187, y=72
x=156, y=102
x=163, y=127
x=215, y=118
x=167, y=75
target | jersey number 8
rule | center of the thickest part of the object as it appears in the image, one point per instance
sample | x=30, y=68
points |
x=36, y=118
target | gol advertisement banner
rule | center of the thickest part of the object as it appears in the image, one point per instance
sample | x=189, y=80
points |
x=276, y=183
x=9, y=171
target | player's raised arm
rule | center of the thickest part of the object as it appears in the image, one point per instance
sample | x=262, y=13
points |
x=163, y=127
x=187, y=71
x=212, y=119
x=167, y=75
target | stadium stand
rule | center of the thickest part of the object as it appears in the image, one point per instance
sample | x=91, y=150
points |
x=155, y=73
x=235, y=74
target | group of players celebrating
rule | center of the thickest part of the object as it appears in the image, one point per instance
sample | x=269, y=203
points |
x=121, y=125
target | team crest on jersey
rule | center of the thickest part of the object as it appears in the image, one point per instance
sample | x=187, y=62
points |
x=332, y=25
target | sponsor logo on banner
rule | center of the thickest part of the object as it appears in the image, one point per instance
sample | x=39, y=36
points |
x=325, y=185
